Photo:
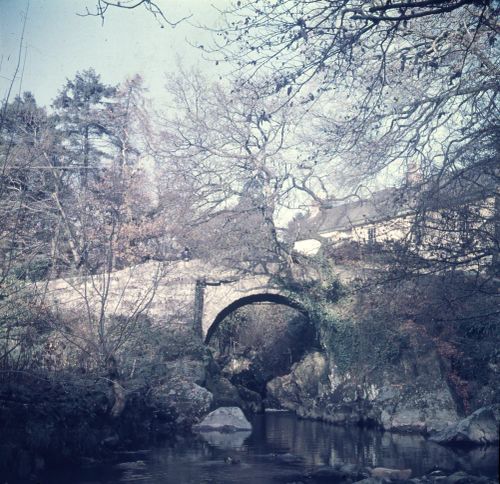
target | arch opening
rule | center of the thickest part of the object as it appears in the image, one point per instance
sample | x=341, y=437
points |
x=255, y=340
x=255, y=298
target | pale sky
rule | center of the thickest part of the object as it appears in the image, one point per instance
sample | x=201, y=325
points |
x=59, y=43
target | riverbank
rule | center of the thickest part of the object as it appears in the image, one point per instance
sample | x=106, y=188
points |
x=48, y=423
x=48, y=417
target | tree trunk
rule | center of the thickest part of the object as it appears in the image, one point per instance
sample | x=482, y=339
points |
x=118, y=390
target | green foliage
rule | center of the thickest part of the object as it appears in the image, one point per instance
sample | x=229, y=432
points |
x=316, y=293
x=368, y=343
x=381, y=324
x=341, y=341
x=356, y=330
x=33, y=270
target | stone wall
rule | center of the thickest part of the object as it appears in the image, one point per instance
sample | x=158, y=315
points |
x=167, y=292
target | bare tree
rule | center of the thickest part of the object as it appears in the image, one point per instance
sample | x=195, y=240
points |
x=393, y=88
x=153, y=7
x=74, y=207
x=235, y=152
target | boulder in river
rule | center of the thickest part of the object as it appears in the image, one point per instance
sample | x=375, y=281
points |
x=481, y=427
x=227, y=419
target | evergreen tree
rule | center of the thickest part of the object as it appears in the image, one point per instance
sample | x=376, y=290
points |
x=81, y=113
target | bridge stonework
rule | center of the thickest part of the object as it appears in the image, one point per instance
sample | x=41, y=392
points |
x=223, y=294
x=181, y=292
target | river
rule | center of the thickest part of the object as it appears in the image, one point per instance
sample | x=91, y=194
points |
x=280, y=448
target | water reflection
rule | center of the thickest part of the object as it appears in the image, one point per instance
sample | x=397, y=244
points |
x=280, y=447
x=323, y=444
x=234, y=440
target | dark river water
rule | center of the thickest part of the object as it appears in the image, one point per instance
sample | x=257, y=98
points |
x=279, y=447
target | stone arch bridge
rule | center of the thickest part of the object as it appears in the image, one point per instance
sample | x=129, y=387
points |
x=180, y=292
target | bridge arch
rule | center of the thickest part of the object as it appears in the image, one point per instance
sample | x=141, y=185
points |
x=229, y=307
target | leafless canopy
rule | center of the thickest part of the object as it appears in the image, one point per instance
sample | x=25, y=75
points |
x=102, y=7
x=402, y=80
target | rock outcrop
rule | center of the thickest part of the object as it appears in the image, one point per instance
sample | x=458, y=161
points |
x=479, y=428
x=412, y=396
x=185, y=366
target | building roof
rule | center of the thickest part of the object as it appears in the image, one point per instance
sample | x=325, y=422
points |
x=390, y=203
x=384, y=204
